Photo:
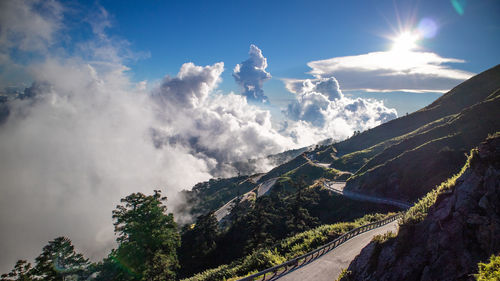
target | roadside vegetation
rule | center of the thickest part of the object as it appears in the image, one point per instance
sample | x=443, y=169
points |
x=419, y=211
x=489, y=271
x=283, y=250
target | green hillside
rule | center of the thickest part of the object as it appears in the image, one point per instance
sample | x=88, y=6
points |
x=468, y=93
x=409, y=169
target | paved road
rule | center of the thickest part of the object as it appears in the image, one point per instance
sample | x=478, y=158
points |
x=329, y=266
x=338, y=187
x=225, y=210
x=264, y=187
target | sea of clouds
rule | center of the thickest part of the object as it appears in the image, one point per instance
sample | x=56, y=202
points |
x=81, y=134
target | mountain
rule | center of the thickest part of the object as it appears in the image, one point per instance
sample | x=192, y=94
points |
x=468, y=93
x=409, y=156
x=447, y=240
x=403, y=159
x=410, y=168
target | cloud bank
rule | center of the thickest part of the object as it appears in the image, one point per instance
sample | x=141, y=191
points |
x=322, y=110
x=412, y=71
x=251, y=75
x=220, y=129
x=82, y=135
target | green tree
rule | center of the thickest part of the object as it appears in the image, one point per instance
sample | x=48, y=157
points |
x=198, y=244
x=22, y=272
x=59, y=261
x=147, y=237
x=298, y=216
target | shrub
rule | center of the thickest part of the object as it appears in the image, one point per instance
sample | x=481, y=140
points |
x=489, y=271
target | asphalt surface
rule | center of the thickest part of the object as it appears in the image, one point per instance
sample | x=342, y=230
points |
x=329, y=266
x=264, y=187
x=338, y=187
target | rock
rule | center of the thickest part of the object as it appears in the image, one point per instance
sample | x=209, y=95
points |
x=483, y=203
x=460, y=230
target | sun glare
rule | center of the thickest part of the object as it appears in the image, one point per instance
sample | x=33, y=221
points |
x=405, y=42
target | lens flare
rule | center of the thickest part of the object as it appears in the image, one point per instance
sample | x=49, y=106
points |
x=459, y=6
x=427, y=28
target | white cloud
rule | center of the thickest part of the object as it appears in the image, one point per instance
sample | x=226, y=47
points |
x=251, y=75
x=85, y=136
x=322, y=111
x=71, y=151
x=191, y=86
x=414, y=71
x=222, y=128
x=29, y=24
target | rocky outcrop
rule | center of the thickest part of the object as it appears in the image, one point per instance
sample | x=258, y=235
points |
x=461, y=229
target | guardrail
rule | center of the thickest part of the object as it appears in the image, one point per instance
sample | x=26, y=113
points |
x=275, y=272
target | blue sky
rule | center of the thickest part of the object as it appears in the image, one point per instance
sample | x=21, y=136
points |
x=293, y=33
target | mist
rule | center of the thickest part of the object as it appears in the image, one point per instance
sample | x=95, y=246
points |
x=78, y=134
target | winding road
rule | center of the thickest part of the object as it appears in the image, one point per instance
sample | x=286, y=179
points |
x=338, y=187
x=329, y=266
x=260, y=190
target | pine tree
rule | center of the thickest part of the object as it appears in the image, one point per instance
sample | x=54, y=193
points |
x=59, y=261
x=22, y=272
x=199, y=243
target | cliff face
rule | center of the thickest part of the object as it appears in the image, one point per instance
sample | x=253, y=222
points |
x=461, y=229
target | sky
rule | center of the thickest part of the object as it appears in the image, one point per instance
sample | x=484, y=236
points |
x=298, y=32
x=99, y=99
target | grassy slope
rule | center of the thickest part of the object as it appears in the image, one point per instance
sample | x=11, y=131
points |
x=411, y=168
x=470, y=92
x=284, y=168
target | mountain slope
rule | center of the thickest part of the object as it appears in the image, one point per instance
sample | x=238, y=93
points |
x=468, y=93
x=409, y=169
x=460, y=229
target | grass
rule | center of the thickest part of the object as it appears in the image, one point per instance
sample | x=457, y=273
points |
x=307, y=172
x=489, y=271
x=284, y=250
x=345, y=275
x=419, y=211
x=424, y=160
x=382, y=238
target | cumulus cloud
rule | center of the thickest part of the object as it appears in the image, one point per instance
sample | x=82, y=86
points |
x=219, y=128
x=191, y=87
x=412, y=71
x=321, y=110
x=83, y=135
x=77, y=144
x=251, y=75
x=25, y=25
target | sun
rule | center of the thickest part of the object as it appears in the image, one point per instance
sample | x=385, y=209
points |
x=405, y=42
